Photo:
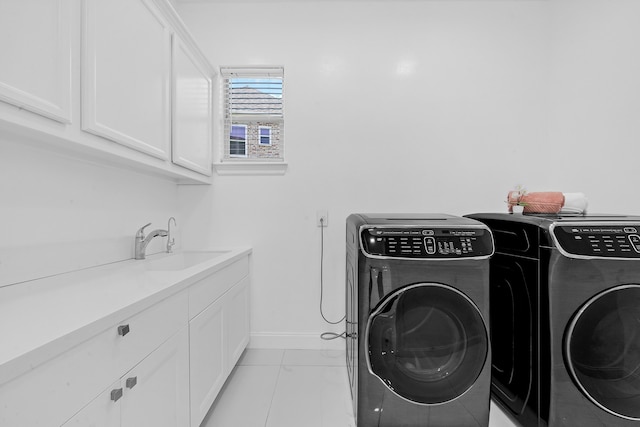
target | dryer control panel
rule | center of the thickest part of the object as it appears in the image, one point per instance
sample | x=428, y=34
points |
x=428, y=243
x=598, y=240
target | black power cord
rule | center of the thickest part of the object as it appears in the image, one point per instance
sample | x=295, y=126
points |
x=326, y=335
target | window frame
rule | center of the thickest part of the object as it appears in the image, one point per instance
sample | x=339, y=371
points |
x=246, y=137
x=254, y=162
x=260, y=136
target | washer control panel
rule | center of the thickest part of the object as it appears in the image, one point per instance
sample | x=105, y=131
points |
x=592, y=240
x=432, y=243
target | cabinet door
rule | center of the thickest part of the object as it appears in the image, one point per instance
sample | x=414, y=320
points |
x=36, y=56
x=207, y=359
x=156, y=391
x=103, y=411
x=125, y=74
x=191, y=143
x=237, y=318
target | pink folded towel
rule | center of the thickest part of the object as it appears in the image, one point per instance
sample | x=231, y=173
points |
x=538, y=202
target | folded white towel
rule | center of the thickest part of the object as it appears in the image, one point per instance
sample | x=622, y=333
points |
x=575, y=203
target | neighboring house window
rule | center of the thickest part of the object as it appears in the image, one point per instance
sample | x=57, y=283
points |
x=238, y=141
x=254, y=113
x=265, y=135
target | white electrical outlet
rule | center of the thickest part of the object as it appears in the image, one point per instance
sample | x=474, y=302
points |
x=322, y=219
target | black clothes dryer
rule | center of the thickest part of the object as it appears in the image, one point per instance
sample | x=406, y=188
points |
x=565, y=318
x=418, y=351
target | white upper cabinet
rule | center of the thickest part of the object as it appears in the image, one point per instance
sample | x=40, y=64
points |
x=126, y=65
x=123, y=81
x=36, y=56
x=191, y=142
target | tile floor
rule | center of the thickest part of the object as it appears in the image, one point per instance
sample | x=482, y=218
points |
x=292, y=388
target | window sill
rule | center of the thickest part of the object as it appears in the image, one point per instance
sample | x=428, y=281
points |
x=250, y=168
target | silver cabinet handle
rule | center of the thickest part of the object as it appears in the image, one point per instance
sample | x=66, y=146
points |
x=116, y=394
x=123, y=330
x=131, y=382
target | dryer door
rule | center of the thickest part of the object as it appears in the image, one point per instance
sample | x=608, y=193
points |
x=427, y=343
x=602, y=350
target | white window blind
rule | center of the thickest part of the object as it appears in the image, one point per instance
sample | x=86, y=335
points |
x=254, y=100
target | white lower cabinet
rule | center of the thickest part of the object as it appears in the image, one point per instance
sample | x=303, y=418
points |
x=161, y=367
x=101, y=412
x=155, y=393
x=207, y=359
x=217, y=338
x=237, y=311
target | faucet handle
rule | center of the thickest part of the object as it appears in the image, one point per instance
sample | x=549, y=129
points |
x=140, y=232
x=170, y=240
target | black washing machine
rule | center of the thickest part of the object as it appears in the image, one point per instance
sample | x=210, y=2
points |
x=418, y=351
x=565, y=318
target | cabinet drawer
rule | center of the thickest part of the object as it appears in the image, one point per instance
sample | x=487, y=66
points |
x=212, y=287
x=53, y=392
x=145, y=331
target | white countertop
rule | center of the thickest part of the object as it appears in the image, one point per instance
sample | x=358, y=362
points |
x=42, y=318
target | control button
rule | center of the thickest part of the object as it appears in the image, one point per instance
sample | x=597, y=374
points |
x=635, y=242
x=630, y=230
x=427, y=232
x=430, y=245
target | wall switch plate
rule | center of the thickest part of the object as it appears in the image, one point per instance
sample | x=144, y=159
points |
x=322, y=218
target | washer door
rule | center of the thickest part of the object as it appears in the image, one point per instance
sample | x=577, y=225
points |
x=427, y=343
x=602, y=350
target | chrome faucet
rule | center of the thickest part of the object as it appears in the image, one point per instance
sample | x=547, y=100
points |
x=170, y=240
x=142, y=241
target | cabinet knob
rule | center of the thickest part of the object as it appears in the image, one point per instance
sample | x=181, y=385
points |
x=116, y=394
x=131, y=382
x=123, y=330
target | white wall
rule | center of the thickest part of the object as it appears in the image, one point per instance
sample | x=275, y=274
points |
x=396, y=106
x=595, y=110
x=60, y=213
x=405, y=106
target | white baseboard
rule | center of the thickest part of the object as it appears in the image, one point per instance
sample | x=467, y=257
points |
x=294, y=341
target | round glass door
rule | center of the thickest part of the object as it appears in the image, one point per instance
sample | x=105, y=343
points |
x=602, y=350
x=427, y=342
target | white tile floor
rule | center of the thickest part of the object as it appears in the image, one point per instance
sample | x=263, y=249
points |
x=292, y=388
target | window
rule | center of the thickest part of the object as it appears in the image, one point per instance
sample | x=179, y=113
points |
x=265, y=135
x=238, y=141
x=254, y=114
